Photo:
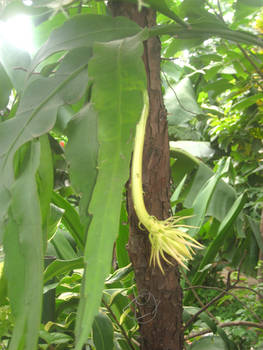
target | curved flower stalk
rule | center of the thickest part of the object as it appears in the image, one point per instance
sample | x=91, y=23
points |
x=166, y=236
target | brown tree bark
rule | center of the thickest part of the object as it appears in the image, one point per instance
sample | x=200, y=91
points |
x=160, y=295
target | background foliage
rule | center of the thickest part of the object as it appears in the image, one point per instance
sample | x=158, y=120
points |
x=68, y=115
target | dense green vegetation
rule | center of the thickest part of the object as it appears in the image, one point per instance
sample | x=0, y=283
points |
x=68, y=114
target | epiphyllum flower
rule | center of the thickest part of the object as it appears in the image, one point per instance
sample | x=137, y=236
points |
x=165, y=236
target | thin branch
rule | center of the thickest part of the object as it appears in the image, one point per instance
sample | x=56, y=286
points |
x=250, y=60
x=196, y=295
x=211, y=302
x=223, y=292
x=226, y=324
x=119, y=325
x=176, y=96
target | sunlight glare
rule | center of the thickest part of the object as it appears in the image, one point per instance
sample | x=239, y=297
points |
x=18, y=31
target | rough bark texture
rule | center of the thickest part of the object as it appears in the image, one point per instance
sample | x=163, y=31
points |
x=160, y=296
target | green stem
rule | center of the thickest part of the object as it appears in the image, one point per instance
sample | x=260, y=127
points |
x=197, y=31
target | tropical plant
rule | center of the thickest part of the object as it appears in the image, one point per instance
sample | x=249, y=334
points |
x=68, y=119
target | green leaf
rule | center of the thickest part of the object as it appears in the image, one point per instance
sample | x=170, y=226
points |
x=5, y=88
x=247, y=101
x=223, y=232
x=15, y=63
x=119, y=274
x=255, y=227
x=37, y=110
x=70, y=219
x=24, y=256
x=62, y=266
x=203, y=198
x=81, y=152
x=122, y=239
x=62, y=245
x=199, y=149
x=55, y=337
x=163, y=8
x=222, y=199
x=55, y=217
x=45, y=183
x=181, y=103
x=209, y=343
x=83, y=31
x=102, y=332
x=119, y=79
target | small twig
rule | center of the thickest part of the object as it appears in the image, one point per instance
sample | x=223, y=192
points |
x=119, y=325
x=257, y=69
x=220, y=11
x=196, y=295
x=226, y=324
x=225, y=291
x=211, y=302
x=177, y=98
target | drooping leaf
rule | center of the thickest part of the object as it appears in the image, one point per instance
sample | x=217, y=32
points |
x=55, y=217
x=63, y=246
x=119, y=78
x=81, y=152
x=102, y=332
x=37, y=110
x=83, y=31
x=221, y=236
x=119, y=274
x=222, y=199
x=70, y=219
x=24, y=255
x=203, y=198
x=62, y=266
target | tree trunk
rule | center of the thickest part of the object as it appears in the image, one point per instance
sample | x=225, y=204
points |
x=160, y=295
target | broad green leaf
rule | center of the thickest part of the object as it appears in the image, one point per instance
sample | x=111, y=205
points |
x=117, y=300
x=37, y=110
x=247, y=101
x=62, y=245
x=55, y=337
x=245, y=8
x=209, y=343
x=16, y=63
x=24, y=255
x=102, y=332
x=203, y=198
x=119, y=274
x=83, y=31
x=182, y=163
x=70, y=219
x=62, y=266
x=217, y=242
x=255, y=227
x=55, y=217
x=119, y=79
x=5, y=88
x=199, y=149
x=222, y=199
x=181, y=103
x=81, y=153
